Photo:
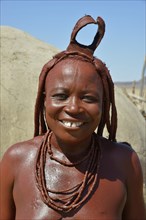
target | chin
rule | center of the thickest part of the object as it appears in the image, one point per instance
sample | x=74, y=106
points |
x=72, y=137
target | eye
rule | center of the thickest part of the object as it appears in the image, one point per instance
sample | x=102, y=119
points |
x=60, y=96
x=90, y=99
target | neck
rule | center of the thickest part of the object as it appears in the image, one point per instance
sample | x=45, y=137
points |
x=71, y=148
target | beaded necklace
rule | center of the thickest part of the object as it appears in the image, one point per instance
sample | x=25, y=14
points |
x=74, y=197
x=65, y=163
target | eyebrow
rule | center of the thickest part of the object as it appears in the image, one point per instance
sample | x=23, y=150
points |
x=84, y=91
x=59, y=88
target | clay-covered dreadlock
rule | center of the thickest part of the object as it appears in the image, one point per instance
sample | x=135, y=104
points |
x=78, y=51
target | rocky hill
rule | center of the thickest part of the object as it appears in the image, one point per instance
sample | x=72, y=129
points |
x=22, y=58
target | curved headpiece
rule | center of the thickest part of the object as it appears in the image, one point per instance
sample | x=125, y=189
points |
x=74, y=46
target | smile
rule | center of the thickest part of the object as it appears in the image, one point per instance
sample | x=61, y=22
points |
x=72, y=124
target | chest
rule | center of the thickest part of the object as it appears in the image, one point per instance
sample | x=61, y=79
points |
x=106, y=201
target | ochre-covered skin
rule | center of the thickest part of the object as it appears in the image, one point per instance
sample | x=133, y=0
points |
x=72, y=95
x=119, y=190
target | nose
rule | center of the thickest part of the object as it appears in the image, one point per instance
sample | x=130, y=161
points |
x=73, y=106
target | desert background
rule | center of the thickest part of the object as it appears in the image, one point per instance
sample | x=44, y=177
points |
x=22, y=58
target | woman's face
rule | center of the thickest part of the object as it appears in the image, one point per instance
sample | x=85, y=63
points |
x=73, y=100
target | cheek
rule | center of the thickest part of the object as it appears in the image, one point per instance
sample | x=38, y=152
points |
x=95, y=112
x=52, y=108
x=51, y=113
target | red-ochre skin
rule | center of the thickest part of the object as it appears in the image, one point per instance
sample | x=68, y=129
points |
x=118, y=193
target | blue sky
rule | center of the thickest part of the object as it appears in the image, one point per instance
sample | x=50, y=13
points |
x=123, y=46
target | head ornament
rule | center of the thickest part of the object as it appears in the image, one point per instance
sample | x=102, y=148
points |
x=74, y=46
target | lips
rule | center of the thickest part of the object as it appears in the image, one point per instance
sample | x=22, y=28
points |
x=71, y=124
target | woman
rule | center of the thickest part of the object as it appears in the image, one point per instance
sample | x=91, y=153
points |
x=67, y=171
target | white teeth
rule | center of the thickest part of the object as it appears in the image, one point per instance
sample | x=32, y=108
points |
x=72, y=124
x=67, y=123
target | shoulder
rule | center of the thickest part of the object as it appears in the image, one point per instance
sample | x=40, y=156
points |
x=19, y=149
x=124, y=157
x=119, y=150
x=20, y=152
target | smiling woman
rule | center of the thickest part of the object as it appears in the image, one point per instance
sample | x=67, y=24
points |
x=67, y=171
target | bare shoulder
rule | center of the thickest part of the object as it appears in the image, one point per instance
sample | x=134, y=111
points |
x=25, y=146
x=17, y=158
x=120, y=151
x=21, y=151
x=123, y=158
x=121, y=162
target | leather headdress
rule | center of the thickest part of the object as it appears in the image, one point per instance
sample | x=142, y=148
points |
x=74, y=46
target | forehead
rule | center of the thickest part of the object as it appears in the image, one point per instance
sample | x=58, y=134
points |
x=75, y=70
x=71, y=74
